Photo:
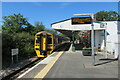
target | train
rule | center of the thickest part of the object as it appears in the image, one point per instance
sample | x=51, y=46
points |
x=46, y=42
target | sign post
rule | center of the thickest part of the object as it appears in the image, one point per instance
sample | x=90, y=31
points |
x=105, y=39
x=14, y=54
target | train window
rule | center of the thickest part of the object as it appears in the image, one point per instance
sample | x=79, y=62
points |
x=49, y=35
x=49, y=40
x=55, y=41
x=59, y=40
x=37, y=39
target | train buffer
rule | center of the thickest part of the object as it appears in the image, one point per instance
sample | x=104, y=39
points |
x=66, y=64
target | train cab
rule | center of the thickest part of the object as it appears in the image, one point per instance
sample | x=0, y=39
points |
x=44, y=44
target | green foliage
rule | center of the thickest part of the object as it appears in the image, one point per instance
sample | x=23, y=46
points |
x=65, y=37
x=14, y=35
x=52, y=31
x=24, y=41
x=62, y=35
x=39, y=27
x=7, y=45
x=14, y=23
x=107, y=16
x=29, y=29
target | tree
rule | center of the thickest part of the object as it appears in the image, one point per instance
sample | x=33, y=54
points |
x=34, y=29
x=39, y=26
x=17, y=33
x=62, y=35
x=24, y=41
x=14, y=23
x=29, y=29
x=107, y=16
x=51, y=30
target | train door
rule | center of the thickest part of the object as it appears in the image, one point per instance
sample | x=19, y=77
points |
x=38, y=45
x=43, y=44
x=49, y=44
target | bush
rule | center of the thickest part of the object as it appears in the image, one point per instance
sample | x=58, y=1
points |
x=23, y=41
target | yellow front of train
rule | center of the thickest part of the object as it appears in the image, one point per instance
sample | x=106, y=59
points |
x=44, y=44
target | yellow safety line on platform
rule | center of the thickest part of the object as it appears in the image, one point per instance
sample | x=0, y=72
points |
x=45, y=70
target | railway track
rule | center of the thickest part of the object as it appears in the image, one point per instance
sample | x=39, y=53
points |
x=18, y=72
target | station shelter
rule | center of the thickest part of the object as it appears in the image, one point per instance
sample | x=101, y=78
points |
x=106, y=34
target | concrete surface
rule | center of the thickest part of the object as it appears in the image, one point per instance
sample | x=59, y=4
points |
x=75, y=65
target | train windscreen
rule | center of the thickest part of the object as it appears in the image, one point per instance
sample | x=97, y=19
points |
x=49, y=40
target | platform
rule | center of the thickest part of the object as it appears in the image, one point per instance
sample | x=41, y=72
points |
x=67, y=64
x=74, y=65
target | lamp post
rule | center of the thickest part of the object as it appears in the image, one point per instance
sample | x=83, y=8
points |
x=92, y=34
x=105, y=38
x=92, y=39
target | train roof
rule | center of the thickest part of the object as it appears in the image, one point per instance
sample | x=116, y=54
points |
x=50, y=33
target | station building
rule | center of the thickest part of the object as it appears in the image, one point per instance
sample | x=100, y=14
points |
x=106, y=33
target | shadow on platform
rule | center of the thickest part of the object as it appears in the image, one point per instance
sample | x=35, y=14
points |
x=105, y=61
x=79, y=46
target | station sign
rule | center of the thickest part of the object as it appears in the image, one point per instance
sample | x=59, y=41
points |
x=14, y=51
x=81, y=20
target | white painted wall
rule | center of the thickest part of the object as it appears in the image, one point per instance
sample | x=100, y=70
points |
x=119, y=44
x=112, y=38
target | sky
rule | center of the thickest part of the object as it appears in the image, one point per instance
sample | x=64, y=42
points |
x=50, y=12
x=60, y=0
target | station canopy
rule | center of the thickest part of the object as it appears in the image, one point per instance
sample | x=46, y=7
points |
x=67, y=26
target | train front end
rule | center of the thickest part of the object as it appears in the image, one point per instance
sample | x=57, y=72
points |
x=43, y=44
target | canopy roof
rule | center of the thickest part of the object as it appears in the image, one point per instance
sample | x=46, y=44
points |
x=66, y=27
